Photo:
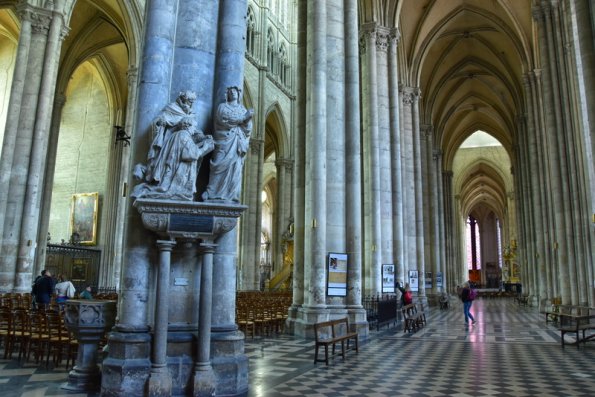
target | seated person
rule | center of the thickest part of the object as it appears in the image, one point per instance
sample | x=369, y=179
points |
x=86, y=294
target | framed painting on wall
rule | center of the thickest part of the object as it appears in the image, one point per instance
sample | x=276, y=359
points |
x=83, y=218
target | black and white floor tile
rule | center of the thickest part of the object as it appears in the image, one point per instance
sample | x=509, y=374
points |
x=510, y=351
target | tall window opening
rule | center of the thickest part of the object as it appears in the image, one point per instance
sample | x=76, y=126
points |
x=473, y=244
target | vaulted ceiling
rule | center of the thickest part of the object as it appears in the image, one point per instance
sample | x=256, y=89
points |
x=469, y=58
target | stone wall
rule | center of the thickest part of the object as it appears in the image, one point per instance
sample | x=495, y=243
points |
x=83, y=148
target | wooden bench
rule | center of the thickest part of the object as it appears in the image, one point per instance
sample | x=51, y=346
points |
x=577, y=320
x=413, y=317
x=329, y=333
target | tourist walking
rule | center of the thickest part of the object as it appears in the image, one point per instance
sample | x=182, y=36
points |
x=467, y=296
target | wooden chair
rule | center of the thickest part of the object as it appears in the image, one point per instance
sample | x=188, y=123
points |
x=18, y=334
x=39, y=339
x=5, y=325
x=59, y=340
x=245, y=323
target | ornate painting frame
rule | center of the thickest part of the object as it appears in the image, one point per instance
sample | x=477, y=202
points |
x=83, y=218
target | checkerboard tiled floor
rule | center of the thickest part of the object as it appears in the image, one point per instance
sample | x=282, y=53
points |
x=509, y=352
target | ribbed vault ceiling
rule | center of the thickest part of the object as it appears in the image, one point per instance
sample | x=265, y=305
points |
x=468, y=57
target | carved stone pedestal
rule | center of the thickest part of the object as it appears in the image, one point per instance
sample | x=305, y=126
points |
x=88, y=320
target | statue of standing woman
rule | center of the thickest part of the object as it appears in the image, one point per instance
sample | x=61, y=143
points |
x=233, y=126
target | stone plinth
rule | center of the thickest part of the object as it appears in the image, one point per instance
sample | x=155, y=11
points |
x=88, y=320
x=209, y=225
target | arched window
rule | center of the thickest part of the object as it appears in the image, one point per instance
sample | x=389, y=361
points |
x=271, y=52
x=251, y=31
x=283, y=65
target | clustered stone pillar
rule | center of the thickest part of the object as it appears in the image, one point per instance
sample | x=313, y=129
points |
x=372, y=160
x=353, y=187
x=315, y=213
x=397, y=169
x=553, y=239
x=25, y=145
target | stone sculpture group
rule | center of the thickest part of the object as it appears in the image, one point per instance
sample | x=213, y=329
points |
x=178, y=148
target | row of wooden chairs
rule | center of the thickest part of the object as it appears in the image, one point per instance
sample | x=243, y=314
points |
x=262, y=313
x=16, y=300
x=38, y=332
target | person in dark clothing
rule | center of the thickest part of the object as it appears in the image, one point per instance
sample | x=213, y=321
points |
x=44, y=288
x=467, y=301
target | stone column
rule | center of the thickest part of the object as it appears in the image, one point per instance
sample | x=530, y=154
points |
x=19, y=81
x=37, y=164
x=128, y=361
x=449, y=211
x=409, y=205
x=419, y=196
x=160, y=380
x=353, y=187
x=231, y=45
x=441, y=220
x=251, y=224
x=281, y=218
x=121, y=200
x=204, y=378
x=22, y=145
x=435, y=172
x=557, y=167
x=228, y=360
x=48, y=183
x=385, y=186
x=299, y=143
x=395, y=134
x=373, y=161
x=316, y=135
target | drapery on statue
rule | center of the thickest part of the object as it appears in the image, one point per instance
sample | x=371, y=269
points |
x=175, y=155
x=233, y=125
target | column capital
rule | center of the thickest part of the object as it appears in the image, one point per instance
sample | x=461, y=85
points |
x=132, y=75
x=40, y=21
x=394, y=36
x=367, y=37
x=256, y=145
x=426, y=128
x=410, y=95
x=165, y=245
x=382, y=42
x=64, y=32
x=207, y=247
x=287, y=163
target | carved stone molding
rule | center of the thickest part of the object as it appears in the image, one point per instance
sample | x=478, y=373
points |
x=256, y=145
x=287, y=163
x=188, y=220
x=382, y=41
x=394, y=37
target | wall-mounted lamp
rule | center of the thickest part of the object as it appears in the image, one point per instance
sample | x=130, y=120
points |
x=121, y=136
